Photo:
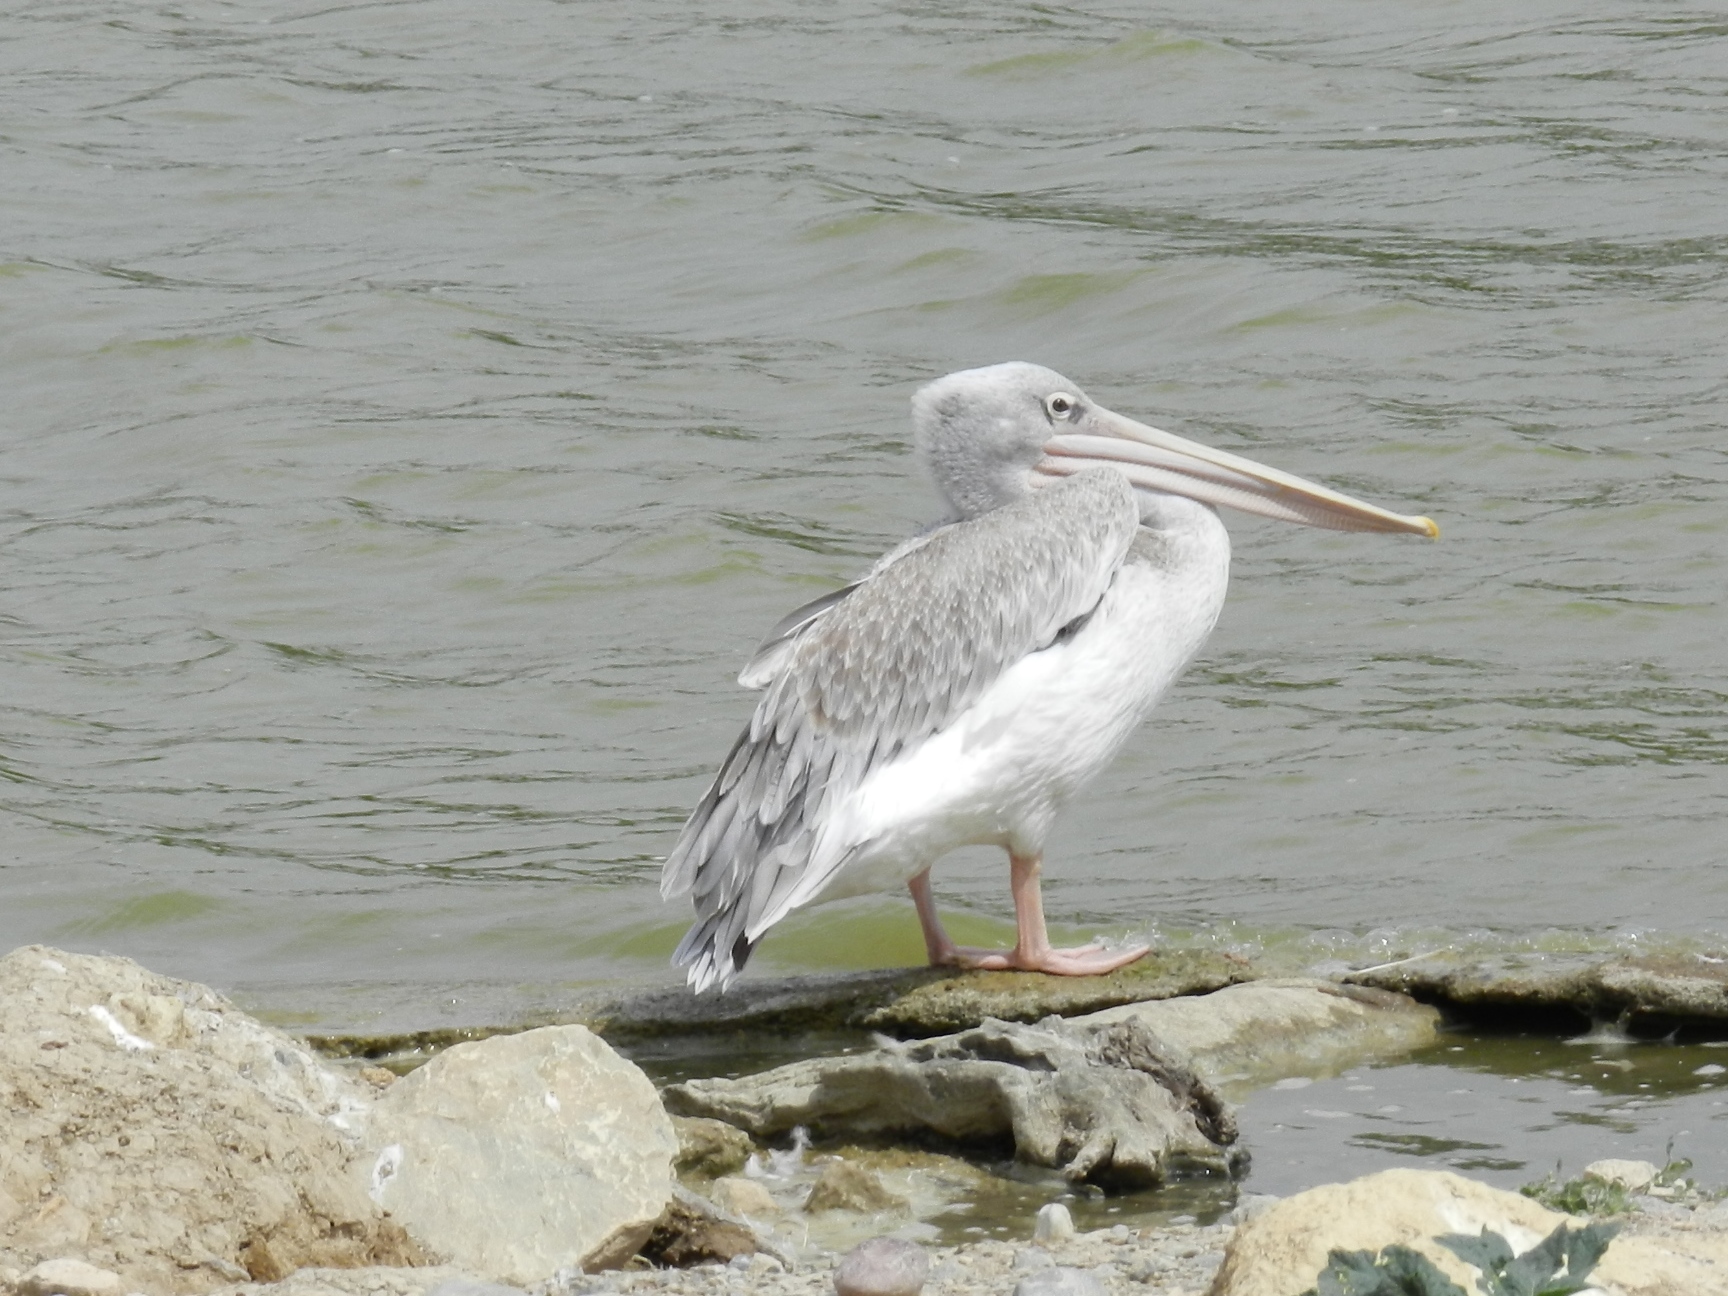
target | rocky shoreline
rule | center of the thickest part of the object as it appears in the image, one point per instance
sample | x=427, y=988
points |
x=1650, y=994
x=159, y=1141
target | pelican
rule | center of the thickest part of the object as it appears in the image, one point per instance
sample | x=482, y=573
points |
x=981, y=673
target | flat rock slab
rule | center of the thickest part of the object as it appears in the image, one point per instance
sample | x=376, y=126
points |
x=153, y=1130
x=1246, y=1036
x=1283, y=1250
x=1658, y=990
x=525, y=1154
x=908, y=1002
x=912, y=1002
x=1097, y=1103
x=957, y=1001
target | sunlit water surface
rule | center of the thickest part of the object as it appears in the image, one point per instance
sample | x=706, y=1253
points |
x=416, y=411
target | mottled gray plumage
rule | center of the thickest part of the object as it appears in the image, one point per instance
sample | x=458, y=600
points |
x=855, y=677
x=980, y=674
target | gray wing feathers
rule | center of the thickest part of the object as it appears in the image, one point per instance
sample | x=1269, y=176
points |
x=925, y=634
x=857, y=676
x=770, y=655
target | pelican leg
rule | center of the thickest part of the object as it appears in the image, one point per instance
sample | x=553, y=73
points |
x=1032, y=950
x=941, y=949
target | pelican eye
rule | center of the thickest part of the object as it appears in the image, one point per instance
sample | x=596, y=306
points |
x=1060, y=405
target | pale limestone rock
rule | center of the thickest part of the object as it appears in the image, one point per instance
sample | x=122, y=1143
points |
x=1099, y=1102
x=153, y=1130
x=882, y=1266
x=1249, y=1035
x=521, y=1155
x=742, y=1196
x=67, y=1277
x=1127, y=1097
x=1283, y=1250
x=1633, y=1176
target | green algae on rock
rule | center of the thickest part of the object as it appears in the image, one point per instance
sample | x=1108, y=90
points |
x=1656, y=992
x=709, y=1149
x=962, y=1000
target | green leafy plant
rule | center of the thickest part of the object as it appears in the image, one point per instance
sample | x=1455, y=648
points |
x=1538, y=1271
x=1579, y=1196
x=1396, y=1271
x=1559, y=1265
x=1584, y=1196
x=1673, y=1175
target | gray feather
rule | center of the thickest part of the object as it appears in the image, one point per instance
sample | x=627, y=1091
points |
x=766, y=662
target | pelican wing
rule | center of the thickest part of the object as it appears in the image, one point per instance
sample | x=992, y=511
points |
x=854, y=679
x=772, y=653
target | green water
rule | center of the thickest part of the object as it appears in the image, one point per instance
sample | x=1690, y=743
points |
x=1508, y=1109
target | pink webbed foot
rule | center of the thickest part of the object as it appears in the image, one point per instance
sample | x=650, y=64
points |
x=1033, y=951
x=1086, y=960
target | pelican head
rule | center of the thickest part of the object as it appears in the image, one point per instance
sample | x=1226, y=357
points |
x=992, y=435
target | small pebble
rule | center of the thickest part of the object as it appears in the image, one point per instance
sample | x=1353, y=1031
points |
x=1060, y=1281
x=1054, y=1224
x=1033, y=1259
x=882, y=1266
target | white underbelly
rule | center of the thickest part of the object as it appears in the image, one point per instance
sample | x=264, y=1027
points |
x=1004, y=768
